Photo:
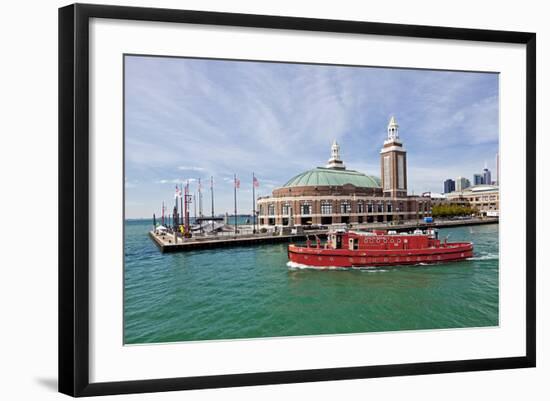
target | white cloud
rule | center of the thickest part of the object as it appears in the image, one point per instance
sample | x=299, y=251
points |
x=176, y=181
x=129, y=185
x=191, y=168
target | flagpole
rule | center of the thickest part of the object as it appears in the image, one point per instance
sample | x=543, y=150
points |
x=235, y=199
x=181, y=204
x=253, y=204
x=176, y=219
x=212, y=193
x=200, y=205
x=187, y=231
x=200, y=198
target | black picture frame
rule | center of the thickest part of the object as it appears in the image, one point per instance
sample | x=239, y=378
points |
x=74, y=198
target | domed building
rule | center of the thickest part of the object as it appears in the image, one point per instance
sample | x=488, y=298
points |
x=334, y=194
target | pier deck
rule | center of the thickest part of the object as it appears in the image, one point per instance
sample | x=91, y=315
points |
x=167, y=243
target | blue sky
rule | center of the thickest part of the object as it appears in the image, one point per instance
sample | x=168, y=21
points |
x=189, y=118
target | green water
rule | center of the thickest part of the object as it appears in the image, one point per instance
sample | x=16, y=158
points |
x=250, y=292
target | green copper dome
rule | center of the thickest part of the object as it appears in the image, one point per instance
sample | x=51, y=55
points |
x=321, y=176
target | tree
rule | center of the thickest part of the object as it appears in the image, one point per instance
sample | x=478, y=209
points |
x=450, y=210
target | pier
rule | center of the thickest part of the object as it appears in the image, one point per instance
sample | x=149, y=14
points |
x=170, y=242
x=167, y=243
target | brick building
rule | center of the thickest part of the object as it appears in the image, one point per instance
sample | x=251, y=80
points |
x=334, y=194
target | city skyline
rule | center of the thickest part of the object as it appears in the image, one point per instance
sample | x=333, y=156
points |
x=187, y=119
x=480, y=178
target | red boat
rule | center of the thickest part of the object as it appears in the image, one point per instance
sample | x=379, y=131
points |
x=379, y=248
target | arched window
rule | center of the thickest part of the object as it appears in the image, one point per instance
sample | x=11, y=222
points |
x=305, y=208
x=326, y=207
x=286, y=209
x=345, y=207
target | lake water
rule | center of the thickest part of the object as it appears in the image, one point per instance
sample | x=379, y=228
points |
x=250, y=292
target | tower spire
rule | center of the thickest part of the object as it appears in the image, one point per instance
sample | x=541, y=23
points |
x=393, y=130
x=335, y=161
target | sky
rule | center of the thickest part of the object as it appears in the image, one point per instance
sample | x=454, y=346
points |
x=187, y=119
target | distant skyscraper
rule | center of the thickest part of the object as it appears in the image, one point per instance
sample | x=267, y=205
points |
x=487, y=176
x=448, y=186
x=478, y=179
x=462, y=183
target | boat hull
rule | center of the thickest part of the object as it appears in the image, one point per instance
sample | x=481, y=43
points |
x=321, y=257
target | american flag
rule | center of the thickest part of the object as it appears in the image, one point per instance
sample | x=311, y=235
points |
x=178, y=193
x=255, y=182
x=237, y=183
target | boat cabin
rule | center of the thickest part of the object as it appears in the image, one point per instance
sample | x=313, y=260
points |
x=381, y=240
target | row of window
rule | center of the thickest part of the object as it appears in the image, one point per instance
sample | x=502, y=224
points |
x=486, y=198
x=327, y=208
x=327, y=220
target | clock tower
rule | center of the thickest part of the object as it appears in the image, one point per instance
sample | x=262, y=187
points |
x=393, y=163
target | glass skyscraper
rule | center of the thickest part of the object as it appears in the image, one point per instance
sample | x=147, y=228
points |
x=486, y=176
x=448, y=186
x=478, y=179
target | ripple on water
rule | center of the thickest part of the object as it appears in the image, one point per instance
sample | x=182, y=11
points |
x=252, y=292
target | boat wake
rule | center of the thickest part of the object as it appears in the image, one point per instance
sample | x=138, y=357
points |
x=366, y=269
x=487, y=256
